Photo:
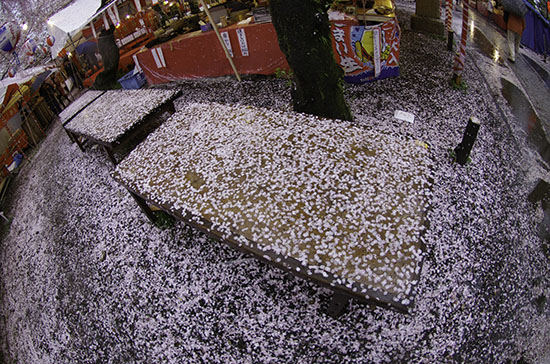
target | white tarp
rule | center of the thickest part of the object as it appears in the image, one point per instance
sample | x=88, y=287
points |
x=22, y=77
x=70, y=20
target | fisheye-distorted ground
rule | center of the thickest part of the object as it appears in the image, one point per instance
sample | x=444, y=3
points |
x=87, y=279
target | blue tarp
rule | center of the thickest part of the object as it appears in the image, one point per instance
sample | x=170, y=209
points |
x=88, y=47
x=537, y=31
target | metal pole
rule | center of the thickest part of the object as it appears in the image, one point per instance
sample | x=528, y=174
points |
x=215, y=27
x=460, y=57
x=78, y=79
x=27, y=115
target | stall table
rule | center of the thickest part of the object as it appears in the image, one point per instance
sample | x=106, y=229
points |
x=255, y=50
x=76, y=107
x=327, y=200
x=118, y=115
x=365, y=53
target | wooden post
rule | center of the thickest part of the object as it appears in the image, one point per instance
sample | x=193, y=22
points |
x=462, y=151
x=460, y=57
x=215, y=27
x=449, y=24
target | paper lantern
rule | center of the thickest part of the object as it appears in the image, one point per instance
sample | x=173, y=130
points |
x=30, y=47
x=9, y=36
x=50, y=40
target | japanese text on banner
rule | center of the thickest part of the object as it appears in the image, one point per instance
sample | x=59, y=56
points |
x=227, y=41
x=242, y=42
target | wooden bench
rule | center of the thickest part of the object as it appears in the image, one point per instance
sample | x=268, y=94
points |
x=118, y=116
x=76, y=107
x=327, y=200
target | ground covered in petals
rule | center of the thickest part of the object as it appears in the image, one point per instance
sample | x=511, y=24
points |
x=87, y=279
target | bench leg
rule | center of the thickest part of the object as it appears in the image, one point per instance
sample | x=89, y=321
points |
x=76, y=139
x=4, y=216
x=71, y=136
x=171, y=107
x=110, y=154
x=144, y=207
x=337, y=305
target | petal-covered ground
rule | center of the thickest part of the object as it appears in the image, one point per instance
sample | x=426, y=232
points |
x=87, y=279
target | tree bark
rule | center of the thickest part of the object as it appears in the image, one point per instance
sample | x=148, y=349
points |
x=303, y=30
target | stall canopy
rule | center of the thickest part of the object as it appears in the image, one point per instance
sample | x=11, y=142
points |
x=70, y=20
x=21, y=77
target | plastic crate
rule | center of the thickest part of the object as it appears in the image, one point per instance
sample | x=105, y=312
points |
x=206, y=27
x=132, y=80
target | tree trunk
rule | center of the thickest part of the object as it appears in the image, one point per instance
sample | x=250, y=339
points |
x=304, y=36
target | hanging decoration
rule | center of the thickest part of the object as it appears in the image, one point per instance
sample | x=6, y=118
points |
x=30, y=47
x=9, y=36
x=50, y=40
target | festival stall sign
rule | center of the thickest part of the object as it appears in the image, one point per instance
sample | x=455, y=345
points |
x=254, y=49
x=366, y=52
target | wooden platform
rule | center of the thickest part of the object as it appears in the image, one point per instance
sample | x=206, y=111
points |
x=117, y=114
x=327, y=200
x=78, y=105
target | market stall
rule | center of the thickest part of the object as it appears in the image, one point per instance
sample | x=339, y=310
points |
x=365, y=42
x=15, y=128
x=254, y=49
x=170, y=41
x=75, y=32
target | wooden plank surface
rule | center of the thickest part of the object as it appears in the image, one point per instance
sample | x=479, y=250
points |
x=346, y=203
x=116, y=112
x=78, y=105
